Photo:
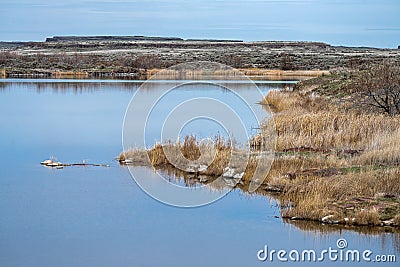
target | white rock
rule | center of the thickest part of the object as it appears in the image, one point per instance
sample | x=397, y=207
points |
x=54, y=164
x=326, y=218
x=229, y=182
x=203, y=179
x=46, y=162
x=202, y=168
x=238, y=175
x=190, y=169
x=229, y=173
x=388, y=223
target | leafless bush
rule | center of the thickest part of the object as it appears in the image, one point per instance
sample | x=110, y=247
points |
x=378, y=88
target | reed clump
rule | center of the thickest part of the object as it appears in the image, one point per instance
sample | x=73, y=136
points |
x=188, y=155
x=367, y=217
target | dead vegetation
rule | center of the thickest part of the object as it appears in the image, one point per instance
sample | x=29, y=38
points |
x=340, y=154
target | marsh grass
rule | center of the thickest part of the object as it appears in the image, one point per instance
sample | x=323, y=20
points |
x=188, y=155
x=367, y=217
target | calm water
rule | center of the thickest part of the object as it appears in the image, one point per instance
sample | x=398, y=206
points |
x=99, y=217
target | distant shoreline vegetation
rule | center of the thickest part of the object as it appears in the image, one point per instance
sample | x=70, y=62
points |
x=132, y=57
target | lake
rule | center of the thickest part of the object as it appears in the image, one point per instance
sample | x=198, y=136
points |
x=96, y=216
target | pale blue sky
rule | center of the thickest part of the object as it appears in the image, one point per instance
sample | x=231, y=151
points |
x=351, y=22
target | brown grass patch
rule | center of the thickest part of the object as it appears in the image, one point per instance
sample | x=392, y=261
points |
x=367, y=217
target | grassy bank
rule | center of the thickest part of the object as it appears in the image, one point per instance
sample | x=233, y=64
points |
x=341, y=164
x=335, y=162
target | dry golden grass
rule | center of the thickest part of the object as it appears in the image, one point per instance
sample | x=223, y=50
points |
x=307, y=197
x=383, y=149
x=396, y=220
x=367, y=217
x=310, y=121
x=312, y=196
x=295, y=102
x=185, y=155
x=328, y=130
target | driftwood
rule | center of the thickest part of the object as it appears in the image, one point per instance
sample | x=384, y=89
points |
x=55, y=164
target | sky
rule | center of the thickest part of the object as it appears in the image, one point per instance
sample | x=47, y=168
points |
x=338, y=22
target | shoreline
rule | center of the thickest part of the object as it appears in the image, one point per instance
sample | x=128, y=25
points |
x=336, y=162
x=141, y=74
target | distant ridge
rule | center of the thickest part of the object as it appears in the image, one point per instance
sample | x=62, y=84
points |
x=127, y=38
x=109, y=38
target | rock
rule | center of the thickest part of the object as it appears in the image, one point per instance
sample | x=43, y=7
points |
x=203, y=179
x=46, y=162
x=271, y=188
x=230, y=182
x=387, y=223
x=192, y=169
x=326, y=218
x=54, y=164
x=228, y=172
x=238, y=175
x=202, y=168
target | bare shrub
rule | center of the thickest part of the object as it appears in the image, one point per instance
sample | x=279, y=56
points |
x=378, y=88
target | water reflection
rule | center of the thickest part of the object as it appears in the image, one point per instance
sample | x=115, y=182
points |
x=90, y=86
x=388, y=236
